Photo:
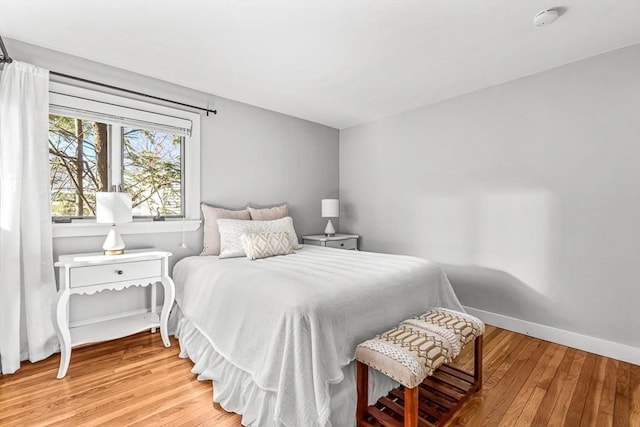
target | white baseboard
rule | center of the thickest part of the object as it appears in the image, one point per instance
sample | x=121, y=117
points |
x=614, y=350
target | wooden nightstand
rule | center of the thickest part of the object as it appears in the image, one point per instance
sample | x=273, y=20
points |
x=340, y=241
x=86, y=274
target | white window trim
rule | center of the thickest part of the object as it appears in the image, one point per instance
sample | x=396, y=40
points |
x=88, y=227
x=91, y=228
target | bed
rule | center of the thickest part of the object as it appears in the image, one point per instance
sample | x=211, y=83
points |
x=277, y=336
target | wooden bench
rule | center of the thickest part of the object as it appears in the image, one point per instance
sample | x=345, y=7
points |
x=416, y=353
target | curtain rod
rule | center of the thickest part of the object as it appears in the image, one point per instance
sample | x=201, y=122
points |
x=6, y=59
x=92, y=82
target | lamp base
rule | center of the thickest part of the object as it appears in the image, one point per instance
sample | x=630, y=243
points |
x=113, y=244
x=329, y=231
x=114, y=252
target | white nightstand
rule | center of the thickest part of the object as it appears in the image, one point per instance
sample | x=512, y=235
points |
x=340, y=241
x=94, y=272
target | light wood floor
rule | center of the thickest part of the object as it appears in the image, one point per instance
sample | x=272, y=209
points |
x=136, y=381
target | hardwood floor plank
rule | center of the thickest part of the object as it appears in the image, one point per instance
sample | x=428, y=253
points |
x=538, y=380
x=145, y=398
x=80, y=377
x=202, y=416
x=102, y=399
x=530, y=408
x=496, y=404
x=562, y=407
x=137, y=381
x=580, y=393
x=555, y=387
x=34, y=408
x=634, y=395
x=89, y=392
x=467, y=411
x=544, y=381
x=166, y=413
x=213, y=416
x=83, y=398
x=592, y=401
x=607, y=397
x=500, y=360
x=621, y=404
x=84, y=386
x=502, y=348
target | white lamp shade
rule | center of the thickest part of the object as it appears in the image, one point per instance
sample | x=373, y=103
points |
x=330, y=208
x=113, y=208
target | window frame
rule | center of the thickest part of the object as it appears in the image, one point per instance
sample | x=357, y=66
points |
x=75, y=97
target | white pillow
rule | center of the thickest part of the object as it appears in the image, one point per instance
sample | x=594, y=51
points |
x=231, y=231
x=265, y=245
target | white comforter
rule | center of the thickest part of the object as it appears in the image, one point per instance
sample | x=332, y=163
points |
x=293, y=322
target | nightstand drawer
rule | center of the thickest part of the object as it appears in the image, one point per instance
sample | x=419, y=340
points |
x=342, y=244
x=97, y=274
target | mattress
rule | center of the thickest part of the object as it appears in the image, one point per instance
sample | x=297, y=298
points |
x=277, y=336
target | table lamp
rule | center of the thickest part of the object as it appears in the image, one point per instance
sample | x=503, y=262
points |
x=113, y=208
x=330, y=209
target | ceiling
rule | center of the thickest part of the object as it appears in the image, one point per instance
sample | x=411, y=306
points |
x=339, y=63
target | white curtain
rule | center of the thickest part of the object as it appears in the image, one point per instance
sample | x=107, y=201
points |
x=27, y=284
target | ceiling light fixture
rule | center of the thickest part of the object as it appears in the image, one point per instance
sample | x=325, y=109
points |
x=546, y=17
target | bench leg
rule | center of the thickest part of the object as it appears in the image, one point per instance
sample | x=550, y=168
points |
x=411, y=406
x=362, y=384
x=477, y=363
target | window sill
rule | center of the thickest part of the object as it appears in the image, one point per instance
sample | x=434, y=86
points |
x=90, y=228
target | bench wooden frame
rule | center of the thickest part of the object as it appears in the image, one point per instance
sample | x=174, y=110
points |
x=432, y=403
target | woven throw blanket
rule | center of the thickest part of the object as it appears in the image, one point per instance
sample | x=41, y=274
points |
x=413, y=350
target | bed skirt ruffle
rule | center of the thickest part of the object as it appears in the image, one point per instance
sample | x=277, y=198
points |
x=237, y=393
x=240, y=394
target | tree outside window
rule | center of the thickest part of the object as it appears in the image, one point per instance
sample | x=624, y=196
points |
x=152, y=171
x=80, y=166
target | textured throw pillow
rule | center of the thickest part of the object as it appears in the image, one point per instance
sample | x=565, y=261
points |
x=232, y=229
x=265, y=245
x=268, y=214
x=211, y=235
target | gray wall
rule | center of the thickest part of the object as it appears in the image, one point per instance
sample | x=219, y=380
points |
x=248, y=155
x=528, y=192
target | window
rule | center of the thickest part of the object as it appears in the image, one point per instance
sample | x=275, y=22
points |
x=152, y=171
x=98, y=141
x=79, y=165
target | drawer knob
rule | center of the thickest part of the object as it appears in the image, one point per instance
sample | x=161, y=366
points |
x=341, y=244
x=119, y=272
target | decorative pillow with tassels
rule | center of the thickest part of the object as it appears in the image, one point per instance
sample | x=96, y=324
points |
x=264, y=245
